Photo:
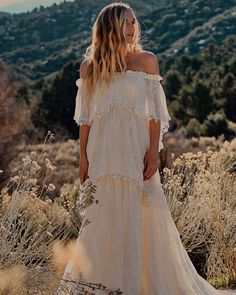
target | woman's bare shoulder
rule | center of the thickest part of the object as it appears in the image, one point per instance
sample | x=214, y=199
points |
x=150, y=62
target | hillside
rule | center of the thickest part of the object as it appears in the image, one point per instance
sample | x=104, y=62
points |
x=200, y=93
x=194, y=41
x=42, y=42
x=19, y=6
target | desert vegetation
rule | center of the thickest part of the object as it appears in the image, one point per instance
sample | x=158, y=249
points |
x=41, y=219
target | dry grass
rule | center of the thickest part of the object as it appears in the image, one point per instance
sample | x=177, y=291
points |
x=41, y=219
x=13, y=279
x=37, y=233
x=201, y=192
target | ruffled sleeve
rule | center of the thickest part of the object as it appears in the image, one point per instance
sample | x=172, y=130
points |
x=83, y=110
x=156, y=106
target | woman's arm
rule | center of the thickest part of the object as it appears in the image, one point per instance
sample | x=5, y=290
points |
x=154, y=134
x=151, y=156
x=83, y=138
x=152, y=67
x=84, y=133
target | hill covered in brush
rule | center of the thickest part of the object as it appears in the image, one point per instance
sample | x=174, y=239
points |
x=194, y=42
x=39, y=43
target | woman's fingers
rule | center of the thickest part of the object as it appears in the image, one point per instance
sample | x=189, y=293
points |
x=150, y=161
x=151, y=170
x=82, y=177
x=81, y=180
x=83, y=169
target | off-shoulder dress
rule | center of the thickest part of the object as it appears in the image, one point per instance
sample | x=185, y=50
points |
x=132, y=242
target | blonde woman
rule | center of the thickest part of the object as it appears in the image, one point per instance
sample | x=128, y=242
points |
x=132, y=242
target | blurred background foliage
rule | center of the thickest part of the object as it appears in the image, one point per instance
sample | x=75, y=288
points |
x=194, y=41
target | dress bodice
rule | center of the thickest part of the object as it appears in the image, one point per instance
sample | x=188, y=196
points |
x=138, y=92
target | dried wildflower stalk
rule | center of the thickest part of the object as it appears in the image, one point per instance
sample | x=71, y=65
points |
x=81, y=286
x=200, y=189
x=31, y=224
x=70, y=287
x=201, y=193
x=28, y=225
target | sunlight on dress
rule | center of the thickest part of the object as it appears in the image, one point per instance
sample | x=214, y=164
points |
x=132, y=242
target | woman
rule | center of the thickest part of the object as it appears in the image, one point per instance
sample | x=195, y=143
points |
x=132, y=242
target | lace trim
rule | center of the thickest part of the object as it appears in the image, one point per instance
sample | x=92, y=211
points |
x=140, y=73
x=119, y=105
x=153, y=116
x=126, y=106
x=130, y=108
x=83, y=122
x=121, y=177
x=118, y=176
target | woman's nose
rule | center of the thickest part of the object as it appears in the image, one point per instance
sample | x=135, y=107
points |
x=131, y=28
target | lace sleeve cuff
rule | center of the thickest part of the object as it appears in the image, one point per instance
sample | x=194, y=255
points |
x=83, y=114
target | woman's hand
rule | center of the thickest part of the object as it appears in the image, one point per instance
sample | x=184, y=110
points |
x=150, y=163
x=83, y=168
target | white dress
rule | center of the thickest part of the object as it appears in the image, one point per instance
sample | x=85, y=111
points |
x=132, y=242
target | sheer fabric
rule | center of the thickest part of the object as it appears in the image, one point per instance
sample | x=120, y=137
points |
x=132, y=242
x=119, y=135
x=137, y=92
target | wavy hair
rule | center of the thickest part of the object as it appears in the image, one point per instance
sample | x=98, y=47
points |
x=106, y=54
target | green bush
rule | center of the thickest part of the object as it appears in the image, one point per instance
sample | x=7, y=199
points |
x=194, y=128
x=215, y=124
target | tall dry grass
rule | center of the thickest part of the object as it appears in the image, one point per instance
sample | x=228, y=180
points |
x=201, y=193
x=38, y=232
x=40, y=219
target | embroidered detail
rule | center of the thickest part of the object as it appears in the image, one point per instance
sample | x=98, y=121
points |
x=153, y=116
x=154, y=108
x=122, y=177
x=130, y=108
x=84, y=122
x=126, y=106
x=118, y=176
x=118, y=105
x=142, y=74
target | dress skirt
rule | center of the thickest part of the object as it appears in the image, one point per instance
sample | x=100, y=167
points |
x=132, y=243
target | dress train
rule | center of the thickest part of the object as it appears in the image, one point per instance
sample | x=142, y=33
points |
x=132, y=243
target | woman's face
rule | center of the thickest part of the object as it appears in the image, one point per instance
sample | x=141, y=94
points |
x=129, y=27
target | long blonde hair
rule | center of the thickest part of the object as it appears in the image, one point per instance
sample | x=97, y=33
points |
x=106, y=54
